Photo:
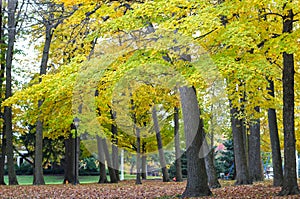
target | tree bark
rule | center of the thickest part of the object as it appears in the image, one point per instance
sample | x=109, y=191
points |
x=290, y=185
x=144, y=166
x=162, y=159
x=2, y=71
x=255, y=163
x=138, y=155
x=12, y=6
x=101, y=158
x=2, y=158
x=275, y=143
x=178, y=174
x=111, y=170
x=197, y=184
x=144, y=162
x=115, y=149
x=213, y=181
x=69, y=168
x=242, y=171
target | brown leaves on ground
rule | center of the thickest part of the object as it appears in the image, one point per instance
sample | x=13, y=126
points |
x=128, y=189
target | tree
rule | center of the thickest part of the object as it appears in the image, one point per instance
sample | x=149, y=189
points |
x=68, y=162
x=197, y=184
x=138, y=156
x=47, y=12
x=254, y=154
x=290, y=185
x=101, y=158
x=275, y=143
x=211, y=170
x=178, y=175
x=115, y=154
x=111, y=170
x=242, y=171
x=11, y=23
x=162, y=159
x=2, y=72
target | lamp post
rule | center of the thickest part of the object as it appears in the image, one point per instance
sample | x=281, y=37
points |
x=76, y=124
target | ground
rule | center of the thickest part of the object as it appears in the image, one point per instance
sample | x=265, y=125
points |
x=128, y=189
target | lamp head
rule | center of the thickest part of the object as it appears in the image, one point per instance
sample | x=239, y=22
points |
x=76, y=121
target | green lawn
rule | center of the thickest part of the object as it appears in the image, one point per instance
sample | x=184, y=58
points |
x=58, y=179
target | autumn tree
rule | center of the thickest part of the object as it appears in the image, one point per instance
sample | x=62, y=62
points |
x=50, y=16
x=290, y=185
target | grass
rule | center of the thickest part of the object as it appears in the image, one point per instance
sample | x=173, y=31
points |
x=58, y=179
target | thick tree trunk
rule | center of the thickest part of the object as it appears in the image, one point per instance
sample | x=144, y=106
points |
x=242, y=172
x=138, y=156
x=69, y=168
x=197, y=184
x=275, y=143
x=115, y=149
x=101, y=158
x=12, y=5
x=255, y=163
x=178, y=174
x=161, y=153
x=290, y=185
x=111, y=170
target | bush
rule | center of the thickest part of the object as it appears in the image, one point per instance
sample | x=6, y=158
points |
x=24, y=169
x=172, y=169
x=89, y=167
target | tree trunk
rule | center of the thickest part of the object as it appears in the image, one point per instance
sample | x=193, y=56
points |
x=2, y=158
x=144, y=166
x=209, y=158
x=111, y=170
x=69, y=167
x=178, y=174
x=12, y=6
x=144, y=162
x=138, y=155
x=101, y=158
x=2, y=71
x=132, y=164
x=275, y=143
x=197, y=184
x=77, y=154
x=115, y=149
x=242, y=172
x=38, y=178
x=162, y=159
x=255, y=163
x=213, y=181
x=290, y=185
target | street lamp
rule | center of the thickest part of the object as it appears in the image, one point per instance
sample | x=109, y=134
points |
x=76, y=124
